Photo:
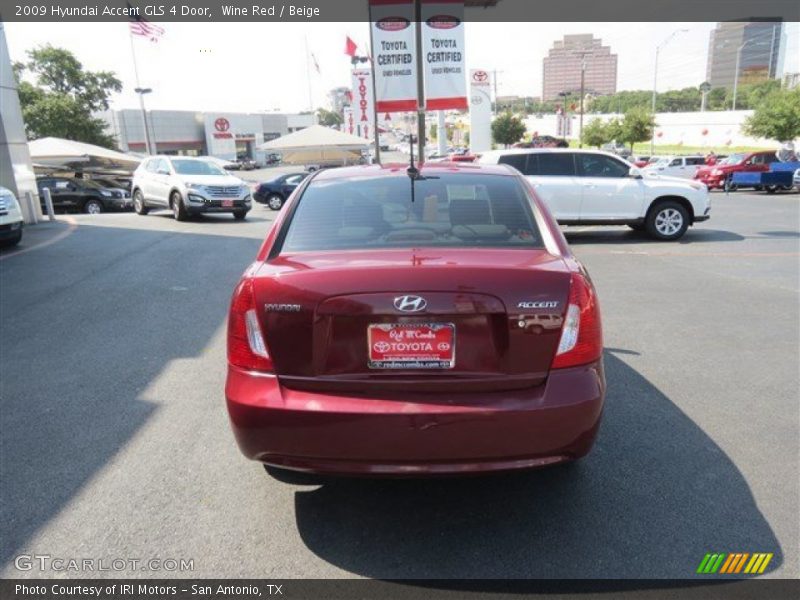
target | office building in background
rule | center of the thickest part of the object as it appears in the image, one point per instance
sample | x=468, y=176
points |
x=562, y=67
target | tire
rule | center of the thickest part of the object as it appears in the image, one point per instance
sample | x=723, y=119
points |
x=240, y=215
x=771, y=189
x=294, y=477
x=178, y=209
x=12, y=241
x=92, y=207
x=274, y=201
x=758, y=188
x=138, y=203
x=729, y=185
x=667, y=221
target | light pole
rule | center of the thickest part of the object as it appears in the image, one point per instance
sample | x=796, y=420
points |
x=583, y=94
x=141, y=92
x=655, y=81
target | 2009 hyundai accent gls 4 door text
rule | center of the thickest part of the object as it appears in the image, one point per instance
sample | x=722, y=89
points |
x=406, y=324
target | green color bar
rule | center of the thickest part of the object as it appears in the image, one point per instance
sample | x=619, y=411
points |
x=701, y=568
x=718, y=564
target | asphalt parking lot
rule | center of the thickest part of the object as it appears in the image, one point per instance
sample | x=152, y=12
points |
x=115, y=441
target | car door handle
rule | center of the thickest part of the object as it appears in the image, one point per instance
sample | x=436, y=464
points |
x=589, y=185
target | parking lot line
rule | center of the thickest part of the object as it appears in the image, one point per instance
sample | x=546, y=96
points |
x=72, y=226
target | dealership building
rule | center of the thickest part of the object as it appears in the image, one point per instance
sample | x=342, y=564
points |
x=222, y=134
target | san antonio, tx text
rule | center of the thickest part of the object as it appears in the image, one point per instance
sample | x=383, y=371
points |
x=142, y=589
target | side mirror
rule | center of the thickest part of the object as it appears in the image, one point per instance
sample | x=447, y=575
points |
x=634, y=173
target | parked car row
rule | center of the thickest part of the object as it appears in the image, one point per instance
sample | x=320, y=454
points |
x=92, y=196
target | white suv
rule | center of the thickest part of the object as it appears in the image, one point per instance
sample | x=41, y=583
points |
x=597, y=188
x=188, y=186
x=10, y=218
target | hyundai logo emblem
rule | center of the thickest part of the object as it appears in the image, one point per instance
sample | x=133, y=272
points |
x=410, y=303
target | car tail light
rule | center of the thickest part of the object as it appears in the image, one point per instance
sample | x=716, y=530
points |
x=581, y=335
x=246, y=346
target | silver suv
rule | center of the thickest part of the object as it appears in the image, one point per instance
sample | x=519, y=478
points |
x=188, y=186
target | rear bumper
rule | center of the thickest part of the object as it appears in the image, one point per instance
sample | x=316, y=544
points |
x=426, y=434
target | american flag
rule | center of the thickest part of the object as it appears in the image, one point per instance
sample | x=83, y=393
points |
x=143, y=27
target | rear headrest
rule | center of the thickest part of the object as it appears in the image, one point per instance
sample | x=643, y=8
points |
x=470, y=212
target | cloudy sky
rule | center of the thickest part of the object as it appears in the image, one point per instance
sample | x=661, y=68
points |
x=263, y=66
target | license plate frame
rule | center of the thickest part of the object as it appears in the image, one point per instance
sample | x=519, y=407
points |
x=227, y=203
x=428, y=353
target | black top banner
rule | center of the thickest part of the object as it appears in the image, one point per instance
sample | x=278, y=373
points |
x=356, y=10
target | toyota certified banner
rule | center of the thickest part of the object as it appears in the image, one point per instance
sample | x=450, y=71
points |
x=443, y=55
x=394, y=55
x=363, y=112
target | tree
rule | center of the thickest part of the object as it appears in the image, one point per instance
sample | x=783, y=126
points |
x=507, y=129
x=637, y=126
x=595, y=133
x=328, y=118
x=62, y=97
x=777, y=117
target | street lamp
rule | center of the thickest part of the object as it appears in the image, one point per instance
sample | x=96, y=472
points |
x=655, y=80
x=142, y=91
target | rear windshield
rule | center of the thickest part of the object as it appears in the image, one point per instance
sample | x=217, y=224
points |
x=196, y=167
x=453, y=210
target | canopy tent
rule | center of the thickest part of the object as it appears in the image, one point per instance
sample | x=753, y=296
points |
x=54, y=152
x=317, y=144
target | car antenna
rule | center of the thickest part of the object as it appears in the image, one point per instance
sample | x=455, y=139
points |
x=413, y=171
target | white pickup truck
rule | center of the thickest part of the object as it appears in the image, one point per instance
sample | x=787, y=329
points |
x=597, y=188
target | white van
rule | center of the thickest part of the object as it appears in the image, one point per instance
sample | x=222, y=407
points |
x=10, y=219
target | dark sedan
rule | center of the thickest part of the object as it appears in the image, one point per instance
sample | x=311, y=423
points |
x=274, y=192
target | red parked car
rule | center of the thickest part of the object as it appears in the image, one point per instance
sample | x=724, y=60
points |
x=408, y=325
x=714, y=176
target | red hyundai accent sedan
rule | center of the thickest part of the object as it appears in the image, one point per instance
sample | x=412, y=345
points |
x=422, y=322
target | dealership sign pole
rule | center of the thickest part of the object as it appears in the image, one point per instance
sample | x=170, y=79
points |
x=480, y=110
x=362, y=102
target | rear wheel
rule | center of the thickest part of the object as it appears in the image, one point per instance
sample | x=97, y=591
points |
x=138, y=203
x=93, y=207
x=178, y=209
x=274, y=201
x=667, y=221
x=240, y=215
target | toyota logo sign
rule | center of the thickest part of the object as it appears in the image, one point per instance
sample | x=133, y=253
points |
x=480, y=76
x=222, y=124
x=410, y=303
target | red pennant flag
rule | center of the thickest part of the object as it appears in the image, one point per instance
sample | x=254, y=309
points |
x=350, y=47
